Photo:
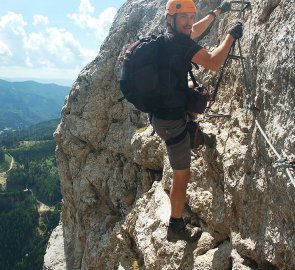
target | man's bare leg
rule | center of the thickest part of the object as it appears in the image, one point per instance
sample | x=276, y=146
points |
x=177, y=229
x=178, y=191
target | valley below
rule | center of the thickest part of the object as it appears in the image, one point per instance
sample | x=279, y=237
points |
x=30, y=198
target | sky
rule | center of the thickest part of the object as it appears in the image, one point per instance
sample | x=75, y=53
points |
x=52, y=40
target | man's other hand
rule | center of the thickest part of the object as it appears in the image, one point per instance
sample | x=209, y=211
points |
x=236, y=31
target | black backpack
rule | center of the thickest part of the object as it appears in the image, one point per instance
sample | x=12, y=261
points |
x=139, y=81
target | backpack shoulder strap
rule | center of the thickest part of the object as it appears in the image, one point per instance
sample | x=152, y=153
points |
x=192, y=75
x=160, y=40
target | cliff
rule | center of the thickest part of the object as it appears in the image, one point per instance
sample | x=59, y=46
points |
x=54, y=258
x=115, y=176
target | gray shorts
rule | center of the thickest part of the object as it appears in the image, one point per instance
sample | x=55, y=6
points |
x=180, y=153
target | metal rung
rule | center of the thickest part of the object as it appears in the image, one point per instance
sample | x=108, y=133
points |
x=235, y=57
x=238, y=10
x=240, y=2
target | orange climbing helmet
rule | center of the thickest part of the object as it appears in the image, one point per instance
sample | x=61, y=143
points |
x=180, y=6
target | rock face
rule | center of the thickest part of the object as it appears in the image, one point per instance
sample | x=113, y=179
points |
x=54, y=258
x=115, y=176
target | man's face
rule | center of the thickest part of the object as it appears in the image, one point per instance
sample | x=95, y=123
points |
x=184, y=22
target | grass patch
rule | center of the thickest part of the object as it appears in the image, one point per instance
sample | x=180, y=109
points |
x=27, y=143
x=6, y=164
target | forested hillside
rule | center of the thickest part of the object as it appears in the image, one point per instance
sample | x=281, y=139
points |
x=23, y=104
x=38, y=132
x=32, y=185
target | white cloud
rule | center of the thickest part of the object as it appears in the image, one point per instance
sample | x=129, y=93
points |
x=56, y=48
x=46, y=51
x=86, y=7
x=4, y=49
x=13, y=22
x=48, y=47
x=104, y=22
x=40, y=20
x=13, y=35
x=100, y=25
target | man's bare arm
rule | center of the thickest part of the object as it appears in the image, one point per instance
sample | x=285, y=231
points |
x=201, y=26
x=213, y=60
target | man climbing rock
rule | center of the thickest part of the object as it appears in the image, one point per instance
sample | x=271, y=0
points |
x=170, y=121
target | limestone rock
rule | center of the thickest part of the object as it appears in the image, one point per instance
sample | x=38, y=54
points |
x=54, y=258
x=115, y=177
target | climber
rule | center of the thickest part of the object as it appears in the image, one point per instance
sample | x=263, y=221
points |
x=170, y=120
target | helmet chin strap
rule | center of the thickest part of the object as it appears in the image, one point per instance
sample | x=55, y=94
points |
x=173, y=24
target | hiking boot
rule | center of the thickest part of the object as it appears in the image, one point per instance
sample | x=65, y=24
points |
x=180, y=231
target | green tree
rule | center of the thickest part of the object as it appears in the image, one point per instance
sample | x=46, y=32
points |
x=17, y=227
x=24, y=232
x=2, y=156
x=17, y=179
x=23, y=239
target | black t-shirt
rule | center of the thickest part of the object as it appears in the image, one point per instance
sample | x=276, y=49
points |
x=175, y=62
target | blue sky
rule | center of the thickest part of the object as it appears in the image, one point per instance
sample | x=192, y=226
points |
x=52, y=40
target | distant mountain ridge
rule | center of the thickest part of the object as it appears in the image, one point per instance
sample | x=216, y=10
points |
x=23, y=104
